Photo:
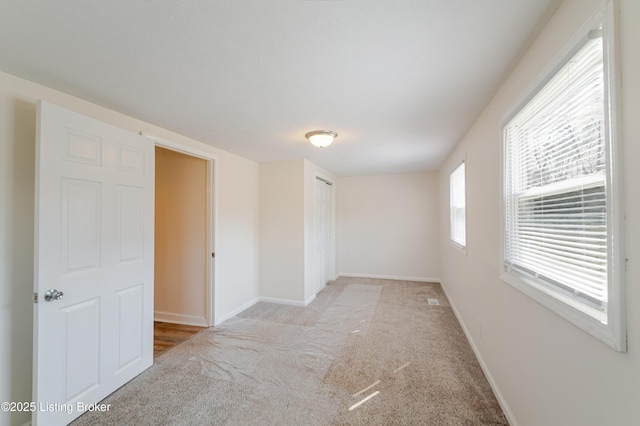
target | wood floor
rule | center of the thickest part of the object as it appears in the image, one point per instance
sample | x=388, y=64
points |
x=167, y=335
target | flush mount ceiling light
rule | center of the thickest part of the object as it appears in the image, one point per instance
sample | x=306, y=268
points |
x=321, y=138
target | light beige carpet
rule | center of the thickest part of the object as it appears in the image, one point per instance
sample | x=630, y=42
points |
x=365, y=352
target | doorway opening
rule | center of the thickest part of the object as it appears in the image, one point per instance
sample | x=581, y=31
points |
x=183, y=272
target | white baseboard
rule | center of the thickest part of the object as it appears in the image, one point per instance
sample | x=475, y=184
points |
x=236, y=311
x=311, y=299
x=180, y=319
x=503, y=404
x=263, y=299
x=284, y=301
x=390, y=277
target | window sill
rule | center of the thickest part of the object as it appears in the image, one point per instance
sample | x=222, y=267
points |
x=568, y=309
x=460, y=248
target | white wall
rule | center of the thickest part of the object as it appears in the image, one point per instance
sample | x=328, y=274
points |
x=287, y=196
x=547, y=371
x=388, y=226
x=237, y=261
x=237, y=220
x=181, y=257
x=282, y=231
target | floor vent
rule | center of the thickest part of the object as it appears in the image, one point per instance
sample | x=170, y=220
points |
x=434, y=302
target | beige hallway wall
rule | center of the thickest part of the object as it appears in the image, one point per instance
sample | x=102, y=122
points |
x=181, y=238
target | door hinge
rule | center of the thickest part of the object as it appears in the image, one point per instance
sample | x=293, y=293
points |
x=35, y=297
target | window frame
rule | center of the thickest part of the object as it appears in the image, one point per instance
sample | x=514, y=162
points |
x=457, y=244
x=613, y=332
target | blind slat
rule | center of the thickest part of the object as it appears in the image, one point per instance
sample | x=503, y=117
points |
x=457, y=205
x=555, y=191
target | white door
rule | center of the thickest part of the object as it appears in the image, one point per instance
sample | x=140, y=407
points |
x=93, y=323
x=322, y=233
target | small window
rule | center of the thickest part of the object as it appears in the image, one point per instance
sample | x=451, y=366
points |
x=560, y=217
x=458, y=209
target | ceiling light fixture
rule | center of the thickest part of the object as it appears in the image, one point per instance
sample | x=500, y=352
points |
x=321, y=138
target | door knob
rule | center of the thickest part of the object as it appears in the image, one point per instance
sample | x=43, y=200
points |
x=53, y=294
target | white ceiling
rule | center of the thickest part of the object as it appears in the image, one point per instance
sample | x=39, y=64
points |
x=401, y=81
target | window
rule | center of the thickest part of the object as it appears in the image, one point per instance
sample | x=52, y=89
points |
x=560, y=214
x=458, y=210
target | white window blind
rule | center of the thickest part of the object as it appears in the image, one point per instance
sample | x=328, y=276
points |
x=555, y=175
x=458, y=206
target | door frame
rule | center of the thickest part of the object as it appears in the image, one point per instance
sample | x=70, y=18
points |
x=211, y=213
